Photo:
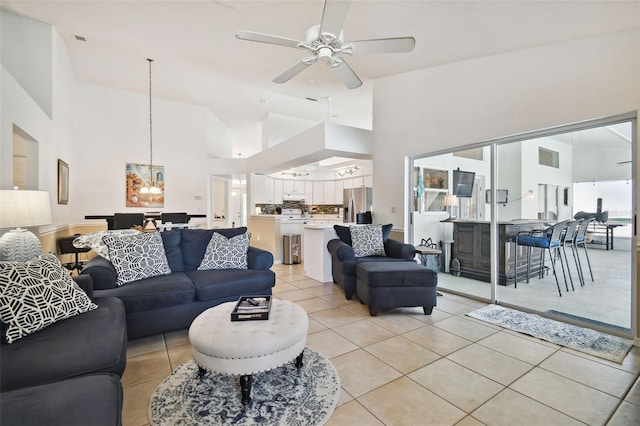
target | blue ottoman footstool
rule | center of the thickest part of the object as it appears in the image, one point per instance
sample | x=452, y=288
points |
x=396, y=284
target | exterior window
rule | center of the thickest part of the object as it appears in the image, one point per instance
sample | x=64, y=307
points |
x=547, y=157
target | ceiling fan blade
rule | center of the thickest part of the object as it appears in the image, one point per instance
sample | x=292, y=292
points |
x=266, y=38
x=346, y=74
x=384, y=45
x=293, y=71
x=333, y=16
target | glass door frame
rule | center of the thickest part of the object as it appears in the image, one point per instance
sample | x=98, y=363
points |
x=630, y=117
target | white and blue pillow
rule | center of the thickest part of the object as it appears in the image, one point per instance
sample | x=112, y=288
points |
x=226, y=253
x=36, y=294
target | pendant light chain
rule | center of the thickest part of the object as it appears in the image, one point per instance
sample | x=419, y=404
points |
x=150, y=128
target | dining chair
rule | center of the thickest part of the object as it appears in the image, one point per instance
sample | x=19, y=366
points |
x=174, y=217
x=549, y=240
x=581, y=240
x=127, y=220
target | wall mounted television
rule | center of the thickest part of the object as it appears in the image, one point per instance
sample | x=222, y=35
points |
x=502, y=196
x=463, y=183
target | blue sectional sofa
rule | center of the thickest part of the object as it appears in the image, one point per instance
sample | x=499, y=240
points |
x=69, y=372
x=171, y=302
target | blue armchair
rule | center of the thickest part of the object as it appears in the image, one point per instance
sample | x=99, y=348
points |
x=344, y=261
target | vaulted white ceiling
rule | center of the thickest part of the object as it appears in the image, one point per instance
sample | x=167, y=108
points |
x=199, y=60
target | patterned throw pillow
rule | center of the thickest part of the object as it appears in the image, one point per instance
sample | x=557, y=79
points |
x=366, y=240
x=93, y=240
x=36, y=294
x=226, y=253
x=137, y=256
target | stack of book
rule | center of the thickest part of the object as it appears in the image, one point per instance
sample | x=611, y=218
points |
x=252, y=308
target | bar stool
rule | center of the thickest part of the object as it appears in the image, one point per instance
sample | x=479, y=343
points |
x=550, y=240
x=65, y=246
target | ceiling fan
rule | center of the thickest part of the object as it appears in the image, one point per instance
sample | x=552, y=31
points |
x=325, y=42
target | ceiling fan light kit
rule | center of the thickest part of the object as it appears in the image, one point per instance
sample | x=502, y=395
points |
x=325, y=42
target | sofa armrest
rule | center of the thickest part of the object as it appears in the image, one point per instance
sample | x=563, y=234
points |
x=259, y=259
x=340, y=250
x=85, y=282
x=102, y=273
x=399, y=250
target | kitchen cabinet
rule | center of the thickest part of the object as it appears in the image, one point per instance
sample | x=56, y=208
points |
x=368, y=181
x=277, y=191
x=262, y=189
x=338, y=194
x=318, y=192
x=324, y=192
x=298, y=188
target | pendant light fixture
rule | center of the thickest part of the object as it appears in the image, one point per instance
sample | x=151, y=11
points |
x=152, y=189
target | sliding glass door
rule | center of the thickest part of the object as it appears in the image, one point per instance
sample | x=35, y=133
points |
x=577, y=173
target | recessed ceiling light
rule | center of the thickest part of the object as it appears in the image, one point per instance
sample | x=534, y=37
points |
x=79, y=38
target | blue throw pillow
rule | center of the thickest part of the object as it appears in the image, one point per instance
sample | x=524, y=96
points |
x=344, y=233
x=195, y=241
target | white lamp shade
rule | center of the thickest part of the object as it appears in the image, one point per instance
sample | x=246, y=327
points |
x=24, y=208
x=450, y=200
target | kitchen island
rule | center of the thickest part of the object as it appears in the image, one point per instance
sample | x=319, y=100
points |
x=267, y=230
x=472, y=248
x=315, y=239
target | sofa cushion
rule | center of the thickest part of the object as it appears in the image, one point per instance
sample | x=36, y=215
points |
x=195, y=241
x=366, y=240
x=226, y=253
x=136, y=257
x=222, y=283
x=36, y=294
x=94, y=342
x=94, y=399
x=172, y=241
x=93, y=240
x=153, y=293
x=344, y=233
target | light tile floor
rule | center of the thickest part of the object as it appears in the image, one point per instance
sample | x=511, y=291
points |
x=406, y=368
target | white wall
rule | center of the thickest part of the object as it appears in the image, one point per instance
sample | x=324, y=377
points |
x=27, y=54
x=472, y=101
x=112, y=129
x=54, y=136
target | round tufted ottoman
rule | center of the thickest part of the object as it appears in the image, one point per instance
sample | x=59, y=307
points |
x=247, y=347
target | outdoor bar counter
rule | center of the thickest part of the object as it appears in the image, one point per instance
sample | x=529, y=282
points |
x=472, y=248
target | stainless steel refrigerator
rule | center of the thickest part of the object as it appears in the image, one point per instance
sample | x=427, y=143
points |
x=356, y=200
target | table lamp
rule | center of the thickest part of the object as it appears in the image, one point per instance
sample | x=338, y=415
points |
x=20, y=209
x=451, y=202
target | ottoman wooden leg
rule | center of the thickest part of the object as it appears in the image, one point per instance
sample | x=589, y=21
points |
x=201, y=372
x=373, y=311
x=299, y=360
x=427, y=310
x=245, y=388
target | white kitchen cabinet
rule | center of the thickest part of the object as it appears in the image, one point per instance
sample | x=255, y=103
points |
x=288, y=187
x=368, y=181
x=308, y=191
x=329, y=192
x=277, y=191
x=323, y=192
x=347, y=183
x=338, y=187
x=262, y=189
x=318, y=192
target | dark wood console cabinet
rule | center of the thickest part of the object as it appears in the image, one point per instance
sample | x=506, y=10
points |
x=472, y=248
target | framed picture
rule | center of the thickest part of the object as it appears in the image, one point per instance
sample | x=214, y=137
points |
x=139, y=176
x=438, y=179
x=63, y=182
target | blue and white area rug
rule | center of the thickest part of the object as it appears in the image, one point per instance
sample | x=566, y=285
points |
x=282, y=396
x=612, y=348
